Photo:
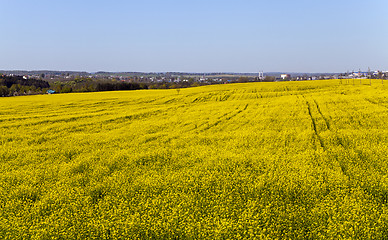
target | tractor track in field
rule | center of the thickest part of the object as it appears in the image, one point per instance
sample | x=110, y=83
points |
x=226, y=117
x=323, y=117
x=314, y=124
x=374, y=102
x=137, y=116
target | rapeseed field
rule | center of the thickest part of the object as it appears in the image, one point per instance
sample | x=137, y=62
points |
x=288, y=160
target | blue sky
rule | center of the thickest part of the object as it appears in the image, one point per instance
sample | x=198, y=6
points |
x=194, y=36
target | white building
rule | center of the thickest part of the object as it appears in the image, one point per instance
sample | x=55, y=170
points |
x=285, y=76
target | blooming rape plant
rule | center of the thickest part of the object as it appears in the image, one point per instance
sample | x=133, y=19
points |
x=288, y=160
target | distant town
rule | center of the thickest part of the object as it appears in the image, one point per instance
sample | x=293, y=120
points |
x=16, y=83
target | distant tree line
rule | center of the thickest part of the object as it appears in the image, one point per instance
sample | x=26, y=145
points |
x=17, y=85
x=119, y=86
x=90, y=85
x=10, y=80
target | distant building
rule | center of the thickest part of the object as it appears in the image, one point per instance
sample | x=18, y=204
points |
x=359, y=74
x=285, y=76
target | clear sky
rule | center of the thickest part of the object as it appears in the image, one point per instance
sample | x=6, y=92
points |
x=194, y=36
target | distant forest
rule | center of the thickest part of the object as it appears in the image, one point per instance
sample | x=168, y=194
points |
x=17, y=85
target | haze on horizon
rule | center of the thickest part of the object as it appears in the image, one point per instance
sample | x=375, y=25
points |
x=194, y=36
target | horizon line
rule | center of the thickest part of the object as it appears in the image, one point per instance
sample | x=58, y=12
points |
x=193, y=72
